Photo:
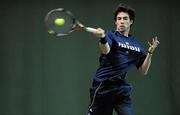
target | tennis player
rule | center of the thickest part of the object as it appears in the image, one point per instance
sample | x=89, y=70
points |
x=120, y=52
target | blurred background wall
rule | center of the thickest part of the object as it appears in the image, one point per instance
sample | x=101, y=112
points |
x=45, y=75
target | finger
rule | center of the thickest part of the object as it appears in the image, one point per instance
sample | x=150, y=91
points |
x=98, y=29
x=157, y=41
x=149, y=44
x=153, y=40
x=156, y=38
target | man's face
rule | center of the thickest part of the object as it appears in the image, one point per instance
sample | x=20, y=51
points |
x=123, y=22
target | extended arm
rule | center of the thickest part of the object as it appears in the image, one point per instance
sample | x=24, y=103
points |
x=147, y=62
x=103, y=44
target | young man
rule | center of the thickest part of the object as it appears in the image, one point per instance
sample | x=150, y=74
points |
x=120, y=52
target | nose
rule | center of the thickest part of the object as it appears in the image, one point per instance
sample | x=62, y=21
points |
x=121, y=21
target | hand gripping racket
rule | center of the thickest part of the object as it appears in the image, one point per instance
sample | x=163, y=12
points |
x=61, y=22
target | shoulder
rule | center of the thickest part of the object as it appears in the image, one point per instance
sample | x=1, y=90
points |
x=111, y=34
x=135, y=40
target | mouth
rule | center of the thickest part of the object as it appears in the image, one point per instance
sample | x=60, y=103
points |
x=121, y=26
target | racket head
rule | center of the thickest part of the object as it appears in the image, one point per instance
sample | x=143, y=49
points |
x=64, y=29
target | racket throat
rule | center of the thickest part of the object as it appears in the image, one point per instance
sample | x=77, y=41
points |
x=78, y=27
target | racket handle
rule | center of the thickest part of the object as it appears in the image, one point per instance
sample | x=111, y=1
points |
x=92, y=30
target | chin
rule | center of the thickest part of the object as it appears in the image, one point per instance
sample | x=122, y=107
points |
x=121, y=31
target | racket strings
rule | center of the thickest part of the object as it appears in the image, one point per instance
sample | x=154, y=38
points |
x=64, y=29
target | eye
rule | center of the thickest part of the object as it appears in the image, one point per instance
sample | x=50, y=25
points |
x=125, y=18
x=118, y=18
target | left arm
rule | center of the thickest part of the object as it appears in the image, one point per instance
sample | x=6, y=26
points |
x=147, y=62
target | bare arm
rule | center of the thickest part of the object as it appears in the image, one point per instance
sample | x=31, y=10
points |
x=104, y=48
x=147, y=62
x=103, y=45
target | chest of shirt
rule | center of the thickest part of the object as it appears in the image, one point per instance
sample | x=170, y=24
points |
x=126, y=44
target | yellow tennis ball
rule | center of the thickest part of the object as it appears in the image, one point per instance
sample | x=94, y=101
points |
x=59, y=21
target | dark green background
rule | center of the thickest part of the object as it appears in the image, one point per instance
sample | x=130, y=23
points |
x=45, y=75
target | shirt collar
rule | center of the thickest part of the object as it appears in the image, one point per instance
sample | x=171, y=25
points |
x=119, y=34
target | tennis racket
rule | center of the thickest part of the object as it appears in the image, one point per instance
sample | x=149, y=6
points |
x=61, y=22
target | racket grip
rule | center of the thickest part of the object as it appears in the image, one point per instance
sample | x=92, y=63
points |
x=91, y=30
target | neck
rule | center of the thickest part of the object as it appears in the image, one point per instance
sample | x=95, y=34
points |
x=124, y=33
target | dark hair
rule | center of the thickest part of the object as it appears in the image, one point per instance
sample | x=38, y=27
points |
x=124, y=8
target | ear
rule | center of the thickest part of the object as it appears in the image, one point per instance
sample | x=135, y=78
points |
x=131, y=22
x=115, y=23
